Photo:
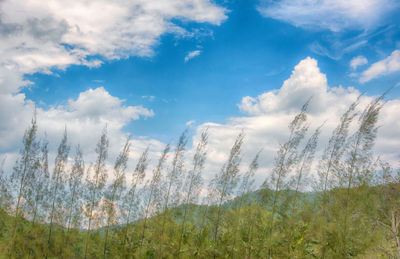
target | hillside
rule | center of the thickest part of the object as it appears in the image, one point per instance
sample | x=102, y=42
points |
x=76, y=211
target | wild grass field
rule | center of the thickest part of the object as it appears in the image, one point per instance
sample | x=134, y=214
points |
x=343, y=204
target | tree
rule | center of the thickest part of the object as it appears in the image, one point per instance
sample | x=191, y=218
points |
x=22, y=176
x=245, y=187
x=330, y=163
x=295, y=218
x=73, y=199
x=305, y=159
x=57, y=184
x=172, y=180
x=5, y=200
x=286, y=159
x=40, y=185
x=388, y=215
x=5, y=195
x=352, y=181
x=153, y=195
x=95, y=184
x=115, y=191
x=193, y=182
x=225, y=182
x=130, y=199
x=38, y=205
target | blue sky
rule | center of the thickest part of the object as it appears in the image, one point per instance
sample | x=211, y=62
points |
x=56, y=56
x=247, y=54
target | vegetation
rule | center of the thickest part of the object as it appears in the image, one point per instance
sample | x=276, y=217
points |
x=346, y=205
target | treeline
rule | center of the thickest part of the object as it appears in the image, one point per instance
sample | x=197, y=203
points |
x=351, y=208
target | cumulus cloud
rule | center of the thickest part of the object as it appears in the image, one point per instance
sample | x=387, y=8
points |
x=358, y=61
x=264, y=121
x=37, y=36
x=192, y=54
x=40, y=36
x=305, y=82
x=334, y=15
x=268, y=115
x=84, y=118
x=386, y=66
x=87, y=107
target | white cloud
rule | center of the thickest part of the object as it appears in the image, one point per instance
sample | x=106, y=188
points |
x=305, y=82
x=265, y=121
x=149, y=97
x=334, y=15
x=386, y=66
x=192, y=54
x=269, y=114
x=39, y=36
x=84, y=118
x=358, y=61
x=87, y=106
x=98, y=81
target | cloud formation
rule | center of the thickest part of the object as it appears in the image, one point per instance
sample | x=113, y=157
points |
x=264, y=121
x=333, y=15
x=383, y=67
x=192, y=54
x=37, y=36
x=84, y=118
x=358, y=61
x=267, y=117
x=40, y=36
x=306, y=81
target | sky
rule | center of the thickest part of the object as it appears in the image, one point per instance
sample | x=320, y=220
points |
x=151, y=68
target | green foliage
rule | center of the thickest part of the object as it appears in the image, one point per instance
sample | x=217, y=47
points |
x=354, y=211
